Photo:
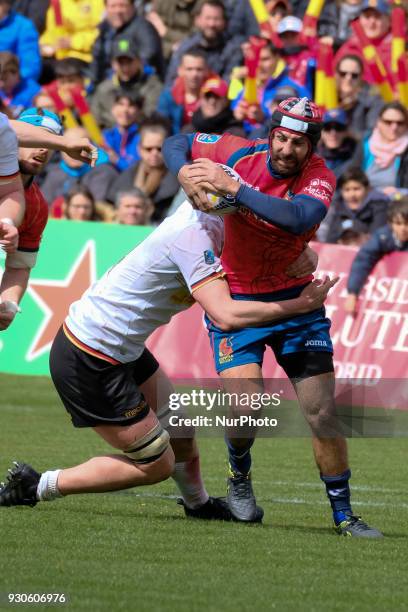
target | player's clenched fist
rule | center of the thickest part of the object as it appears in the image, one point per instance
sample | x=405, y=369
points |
x=8, y=237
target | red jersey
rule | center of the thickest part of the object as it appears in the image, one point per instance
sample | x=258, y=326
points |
x=34, y=222
x=257, y=253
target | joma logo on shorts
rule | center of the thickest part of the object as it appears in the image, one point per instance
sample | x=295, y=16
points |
x=316, y=343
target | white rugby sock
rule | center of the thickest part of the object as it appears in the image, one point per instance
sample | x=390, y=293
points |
x=188, y=478
x=47, y=489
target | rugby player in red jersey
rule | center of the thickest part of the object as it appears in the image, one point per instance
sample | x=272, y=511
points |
x=18, y=265
x=286, y=193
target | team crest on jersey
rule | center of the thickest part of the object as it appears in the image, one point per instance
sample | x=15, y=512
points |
x=225, y=350
x=208, y=138
x=209, y=257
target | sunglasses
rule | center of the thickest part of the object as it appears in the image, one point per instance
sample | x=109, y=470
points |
x=353, y=75
x=152, y=149
x=393, y=122
x=333, y=126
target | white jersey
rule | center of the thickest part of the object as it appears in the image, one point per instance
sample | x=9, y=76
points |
x=151, y=284
x=8, y=150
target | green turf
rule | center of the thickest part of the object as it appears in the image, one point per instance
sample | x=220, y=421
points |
x=135, y=551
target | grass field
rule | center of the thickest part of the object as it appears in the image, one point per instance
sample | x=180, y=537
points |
x=134, y=550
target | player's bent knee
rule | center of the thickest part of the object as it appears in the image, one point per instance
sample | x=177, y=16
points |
x=150, y=447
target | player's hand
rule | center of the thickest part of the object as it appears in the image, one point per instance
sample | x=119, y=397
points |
x=193, y=190
x=351, y=304
x=315, y=293
x=212, y=177
x=304, y=265
x=8, y=311
x=8, y=237
x=81, y=149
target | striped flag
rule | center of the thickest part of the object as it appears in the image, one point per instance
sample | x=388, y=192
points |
x=87, y=118
x=325, y=83
x=311, y=18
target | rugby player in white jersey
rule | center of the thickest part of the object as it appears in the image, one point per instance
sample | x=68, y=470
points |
x=109, y=381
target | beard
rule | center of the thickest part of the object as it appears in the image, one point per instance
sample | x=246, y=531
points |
x=29, y=169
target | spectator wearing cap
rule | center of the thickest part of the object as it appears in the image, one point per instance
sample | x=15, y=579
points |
x=214, y=114
x=357, y=208
x=179, y=101
x=16, y=93
x=121, y=21
x=19, y=36
x=375, y=21
x=222, y=51
x=281, y=94
x=336, y=145
x=35, y=10
x=361, y=106
x=129, y=76
x=73, y=33
x=272, y=74
x=299, y=58
x=243, y=21
x=173, y=20
x=149, y=173
x=66, y=172
x=133, y=207
x=121, y=141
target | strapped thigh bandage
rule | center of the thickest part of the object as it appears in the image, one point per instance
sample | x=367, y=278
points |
x=150, y=447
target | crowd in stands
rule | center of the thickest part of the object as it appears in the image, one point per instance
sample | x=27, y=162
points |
x=128, y=74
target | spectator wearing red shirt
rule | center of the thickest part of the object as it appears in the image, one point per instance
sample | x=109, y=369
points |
x=179, y=102
x=375, y=21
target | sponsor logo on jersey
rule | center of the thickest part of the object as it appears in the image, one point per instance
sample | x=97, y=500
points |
x=208, y=138
x=209, y=257
x=134, y=411
x=225, y=350
x=316, y=343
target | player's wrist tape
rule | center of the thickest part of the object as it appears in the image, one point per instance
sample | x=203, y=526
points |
x=8, y=221
x=11, y=306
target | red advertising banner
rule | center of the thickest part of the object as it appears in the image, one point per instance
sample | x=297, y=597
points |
x=371, y=346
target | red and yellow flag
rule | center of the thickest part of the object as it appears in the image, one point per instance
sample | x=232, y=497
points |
x=325, y=84
x=311, y=18
x=262, y=17
x=381, y=77
x=399, y=60
x=251, y=64
x=87, y=118
x=61, y=107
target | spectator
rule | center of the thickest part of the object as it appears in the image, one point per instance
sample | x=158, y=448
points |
x=383, y=154
x=35, y=10
x=121, y=21
x=76, y=32
x=130, y=77
x=272, y=74
x=79, y=205
x=357, y=207
x=173, y=20
x=214, y=114
x=375, y=21
x=43, y=100
x=392, y=237
x=361, y=107
x=133, y=207
x=222, y=51
x=149, y=174
x=281, y=94
x=19, y=36
x=121, y=140
x=334, y=23
x=336, y=145
x=244, y=23
x=297, y=55
x=63, y=174
x=179, y=101
x=16, y=93
x=69, y=76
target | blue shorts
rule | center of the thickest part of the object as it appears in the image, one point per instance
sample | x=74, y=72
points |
x=300, y=334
